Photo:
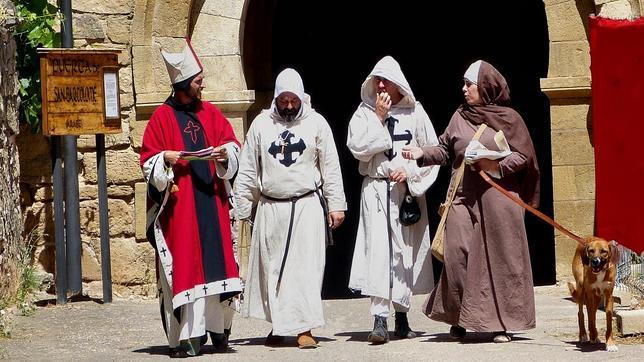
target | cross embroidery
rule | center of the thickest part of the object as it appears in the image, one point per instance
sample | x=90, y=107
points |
x=187, y=295
x=192, y=129
x=391, y=124
x=286, y=149
x=163, y=251
x=224, y=285
x=205, y=289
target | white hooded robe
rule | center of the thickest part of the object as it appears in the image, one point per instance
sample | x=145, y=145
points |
x=370, y=142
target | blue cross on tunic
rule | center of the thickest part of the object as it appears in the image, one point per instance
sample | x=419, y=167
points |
x=287, y=148
x=391, y=125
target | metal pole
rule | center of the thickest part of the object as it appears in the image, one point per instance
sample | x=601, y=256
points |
x=72, y=212
x=59, y=223
x=106, y=267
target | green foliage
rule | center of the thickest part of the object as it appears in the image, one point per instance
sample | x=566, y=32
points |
x=38, y=22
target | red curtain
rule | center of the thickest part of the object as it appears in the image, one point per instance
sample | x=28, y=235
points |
x=617, y=67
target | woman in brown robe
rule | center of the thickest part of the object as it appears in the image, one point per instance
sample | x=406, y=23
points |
x=486, y=283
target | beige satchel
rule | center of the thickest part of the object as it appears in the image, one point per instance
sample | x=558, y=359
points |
x=438, y=244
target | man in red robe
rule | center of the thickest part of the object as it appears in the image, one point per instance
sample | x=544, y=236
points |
x=188, y=209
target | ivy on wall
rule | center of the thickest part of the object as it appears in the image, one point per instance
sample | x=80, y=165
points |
x=38, y=28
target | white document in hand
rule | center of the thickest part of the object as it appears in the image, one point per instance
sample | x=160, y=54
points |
x=476, y=151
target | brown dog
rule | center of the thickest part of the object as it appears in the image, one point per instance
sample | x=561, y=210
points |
x=594, y=267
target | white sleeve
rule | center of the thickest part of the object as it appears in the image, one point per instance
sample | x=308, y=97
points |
x=329, y=162
x=156, y=173
x=419, y=179
x=367, y=136
x=231, y=168
x=246, y=189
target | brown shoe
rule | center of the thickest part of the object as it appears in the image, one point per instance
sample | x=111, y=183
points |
x=305, y=340
x=272, y=340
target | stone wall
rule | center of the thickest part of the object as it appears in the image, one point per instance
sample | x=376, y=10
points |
x=139, y=28
x=568, y=87
x=11, y=241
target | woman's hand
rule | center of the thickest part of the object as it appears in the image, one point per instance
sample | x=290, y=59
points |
x=171, y=157
x=487, y=165
x=412, y=153
x=383, y=104
x=398, y=175
x=336, y=218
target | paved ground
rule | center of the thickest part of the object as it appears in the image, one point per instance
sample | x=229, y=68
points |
x=131, y=330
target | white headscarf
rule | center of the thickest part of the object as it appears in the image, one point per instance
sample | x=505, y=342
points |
x=389, y=69
x=289, y=80
x=472, y=72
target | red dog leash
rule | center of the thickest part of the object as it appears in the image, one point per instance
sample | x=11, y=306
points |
x=538, y=213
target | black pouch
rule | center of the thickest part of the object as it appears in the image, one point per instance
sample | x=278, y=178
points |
x=409, y=210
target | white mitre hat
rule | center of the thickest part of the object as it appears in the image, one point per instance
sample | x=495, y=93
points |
x=182, y=66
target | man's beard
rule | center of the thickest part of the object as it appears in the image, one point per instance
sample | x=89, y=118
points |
x=288, y=114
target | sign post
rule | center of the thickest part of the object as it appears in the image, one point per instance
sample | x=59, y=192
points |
x=80, y=95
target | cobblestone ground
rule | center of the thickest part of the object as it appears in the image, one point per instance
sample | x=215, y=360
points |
x=131, y=330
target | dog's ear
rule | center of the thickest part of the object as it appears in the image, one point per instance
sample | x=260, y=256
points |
x=584, y=256
x=614, y=252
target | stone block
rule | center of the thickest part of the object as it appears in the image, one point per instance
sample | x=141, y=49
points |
x=569, y=59
x=630, y=321
x=572, y=147
x=142, y=68
x=140, y=209
x=119, y=30
x=216, y=35
x=90, y=265
x=44, y=193
x=577, y=216
x=87, y=26
x=568, y=20
x=575, y=182
x=87, y=143
x=142, y=23
x=171, y=18
x=125, y=81
x=90, y=192
x=35, y=157
x=102, y=7
x=227, y=8
x=238, y=127
x=616, y=10
x=138, y=128
x=120, y=218
x=224, y=73
x=39, y=221
x=132, y=262
x=122, y=166
x=570, y=115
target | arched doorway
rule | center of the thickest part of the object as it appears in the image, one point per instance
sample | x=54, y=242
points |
x=334, y=45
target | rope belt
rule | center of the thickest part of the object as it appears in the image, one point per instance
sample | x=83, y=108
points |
x=293, y=201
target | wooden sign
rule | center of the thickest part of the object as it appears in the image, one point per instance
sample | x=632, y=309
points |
x=80, y=91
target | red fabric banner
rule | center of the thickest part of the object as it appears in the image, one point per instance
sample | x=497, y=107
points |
x=617, y=67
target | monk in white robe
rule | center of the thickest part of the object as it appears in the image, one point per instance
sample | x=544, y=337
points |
x=390, y=261
x=289, y=169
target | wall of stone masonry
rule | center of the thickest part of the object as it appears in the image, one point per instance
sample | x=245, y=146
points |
x=568, y=87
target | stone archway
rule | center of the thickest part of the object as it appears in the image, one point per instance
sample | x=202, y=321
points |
x=335, y=56
x=214, y=27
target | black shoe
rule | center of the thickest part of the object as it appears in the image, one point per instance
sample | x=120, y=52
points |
x=178, y=353
x=402, y=329
x=220, y=341
x=457, y=332
x=379, y=334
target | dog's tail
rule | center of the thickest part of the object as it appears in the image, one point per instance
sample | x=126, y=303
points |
x=574, y=292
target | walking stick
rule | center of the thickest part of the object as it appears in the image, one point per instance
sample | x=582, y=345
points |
x=536, y=212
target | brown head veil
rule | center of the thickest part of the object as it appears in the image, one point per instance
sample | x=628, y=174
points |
x=497, y=114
